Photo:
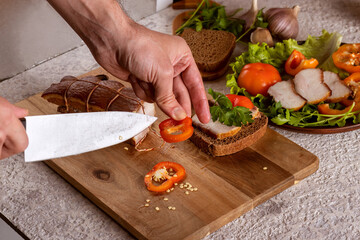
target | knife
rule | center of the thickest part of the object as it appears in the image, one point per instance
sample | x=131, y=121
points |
x=61, y=135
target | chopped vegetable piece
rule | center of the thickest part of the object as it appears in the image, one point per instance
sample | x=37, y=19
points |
x=176, y=131
x=297, y=62
x=347, y=57
x=325, y=109
x=240, y=101
x=256, y=78
x=160, y=174
x=353, y=82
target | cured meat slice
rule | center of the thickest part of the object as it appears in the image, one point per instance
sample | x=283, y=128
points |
x=339, y=91
x=309, y=83
x=284, y=92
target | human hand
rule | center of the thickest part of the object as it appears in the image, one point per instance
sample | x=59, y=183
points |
x=159, y=67
x=13, y=138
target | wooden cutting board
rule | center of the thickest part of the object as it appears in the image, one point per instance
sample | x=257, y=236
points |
x=112, y=178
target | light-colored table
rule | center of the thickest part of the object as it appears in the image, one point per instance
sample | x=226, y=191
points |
x=323, y=206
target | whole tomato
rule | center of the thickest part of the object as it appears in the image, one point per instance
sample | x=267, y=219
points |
x=258, y=77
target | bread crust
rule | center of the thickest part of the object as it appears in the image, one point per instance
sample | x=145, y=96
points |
x=248, y=135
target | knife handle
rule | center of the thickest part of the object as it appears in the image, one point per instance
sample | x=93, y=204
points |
x=23, y=121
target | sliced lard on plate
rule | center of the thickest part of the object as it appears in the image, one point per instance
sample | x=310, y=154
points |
x=284, y=92
x=309, y=83
x=339, y=91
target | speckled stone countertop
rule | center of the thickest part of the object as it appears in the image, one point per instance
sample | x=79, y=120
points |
x=323, y=206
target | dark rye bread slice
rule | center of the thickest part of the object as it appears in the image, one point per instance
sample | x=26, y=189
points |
x=248, y=135
x=211, y=49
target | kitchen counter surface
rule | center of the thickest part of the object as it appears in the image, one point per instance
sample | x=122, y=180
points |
x=323, y=206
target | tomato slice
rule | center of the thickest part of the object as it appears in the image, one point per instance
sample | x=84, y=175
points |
x=347, y=57
x=297, y=62
x=241, y=101
x=161, y=173
x=176, y=131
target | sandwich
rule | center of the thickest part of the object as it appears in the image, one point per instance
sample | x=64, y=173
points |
x=97, y=93
x=224, y=137
x=211, y=50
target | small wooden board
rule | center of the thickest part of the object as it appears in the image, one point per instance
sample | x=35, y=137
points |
x=229, y=186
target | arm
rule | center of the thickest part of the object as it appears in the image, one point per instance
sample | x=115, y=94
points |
x=13, y=138
x=159, y=67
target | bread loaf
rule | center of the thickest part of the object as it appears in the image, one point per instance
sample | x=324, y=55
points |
x=96, y=93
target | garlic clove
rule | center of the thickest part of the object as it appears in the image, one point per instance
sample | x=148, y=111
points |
x=262, y=35
x=283, y=22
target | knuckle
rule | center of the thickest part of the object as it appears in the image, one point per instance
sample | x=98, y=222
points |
x=166, y=99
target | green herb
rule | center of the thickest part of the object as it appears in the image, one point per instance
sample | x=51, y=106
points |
x=224, y=112
x=212, y=16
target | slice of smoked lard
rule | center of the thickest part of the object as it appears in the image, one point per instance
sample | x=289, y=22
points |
x=309, y=83
x=284, y=92
x=339, y=91
x=94, y=94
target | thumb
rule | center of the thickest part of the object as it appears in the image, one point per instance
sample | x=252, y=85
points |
x=20, y=112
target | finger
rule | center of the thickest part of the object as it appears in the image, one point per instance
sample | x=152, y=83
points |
x=148, y=89
x=182, y=95
x=139, y=91
x=164, y=95
x=193, y=82
x=20, y=112
x=15, y=141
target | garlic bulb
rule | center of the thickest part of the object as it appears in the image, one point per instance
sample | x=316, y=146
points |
x=283, y=22
x=250, y=16
x=262, y=35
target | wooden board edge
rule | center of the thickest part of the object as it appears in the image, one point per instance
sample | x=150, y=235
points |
x=310, y=169
x=278, y=188
x=219, y=223
x=92, y=198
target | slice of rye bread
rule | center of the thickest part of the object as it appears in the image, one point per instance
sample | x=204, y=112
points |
x=211, y=49
x=248, y=135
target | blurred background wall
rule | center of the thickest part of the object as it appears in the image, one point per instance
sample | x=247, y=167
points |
x=31, y=31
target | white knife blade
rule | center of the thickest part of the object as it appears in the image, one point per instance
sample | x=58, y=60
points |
x=61, y=135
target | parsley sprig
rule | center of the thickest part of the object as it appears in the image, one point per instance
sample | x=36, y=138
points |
x=212, y=16
x=224, y=112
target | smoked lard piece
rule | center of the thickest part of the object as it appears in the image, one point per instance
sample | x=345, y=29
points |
x=94, y=94
x=309, y=83
x=284, y=92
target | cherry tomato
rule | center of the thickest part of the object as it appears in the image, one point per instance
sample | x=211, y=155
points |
x=258, y=77
x=240, y=101
x=176, y=131
x=347, y=57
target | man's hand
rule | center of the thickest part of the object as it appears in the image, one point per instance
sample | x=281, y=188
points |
x=159, y=67
x=13, y=138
